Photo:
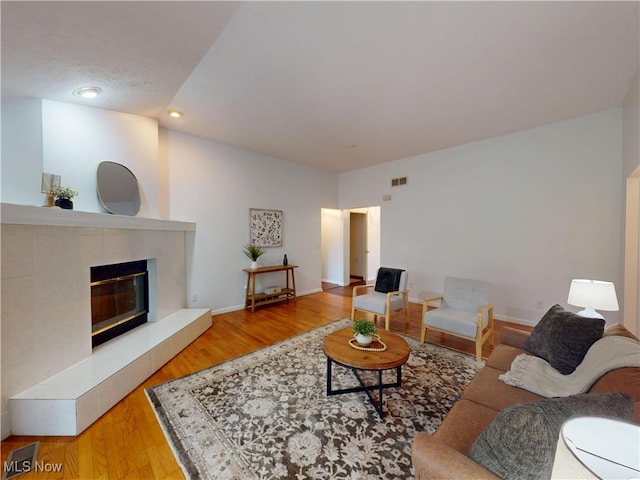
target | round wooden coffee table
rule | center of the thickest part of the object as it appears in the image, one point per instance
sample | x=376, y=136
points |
x=338, y=350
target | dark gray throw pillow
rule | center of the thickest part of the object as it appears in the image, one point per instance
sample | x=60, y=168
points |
x=562, y=338
x=521, y=441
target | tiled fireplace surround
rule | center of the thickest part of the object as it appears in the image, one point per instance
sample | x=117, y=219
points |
x=46, y=312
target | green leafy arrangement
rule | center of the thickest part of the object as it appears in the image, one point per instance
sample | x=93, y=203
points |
x=364, y=327
x=65, y=193
x=253, y=252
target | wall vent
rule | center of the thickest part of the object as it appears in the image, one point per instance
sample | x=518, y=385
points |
x=396, y=182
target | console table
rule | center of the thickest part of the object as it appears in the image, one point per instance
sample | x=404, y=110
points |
x=289, y=291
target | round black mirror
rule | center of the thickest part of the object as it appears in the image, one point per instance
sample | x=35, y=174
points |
x=118, y=189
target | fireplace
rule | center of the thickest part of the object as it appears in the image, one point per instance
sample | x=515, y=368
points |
x=119, y=299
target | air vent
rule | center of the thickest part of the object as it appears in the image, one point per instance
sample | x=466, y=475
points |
x=396, y=182
x=21, y=460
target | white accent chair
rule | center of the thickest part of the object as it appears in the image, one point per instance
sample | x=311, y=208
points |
x=381, y=301
x=464, y=312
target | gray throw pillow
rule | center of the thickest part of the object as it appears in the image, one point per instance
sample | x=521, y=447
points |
x=521, y=441
x=562, y=338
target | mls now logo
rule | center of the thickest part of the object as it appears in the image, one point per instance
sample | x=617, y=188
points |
x=16, y=467
x=23, y=460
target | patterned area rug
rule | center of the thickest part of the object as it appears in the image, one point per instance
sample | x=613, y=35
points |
x=266, y=415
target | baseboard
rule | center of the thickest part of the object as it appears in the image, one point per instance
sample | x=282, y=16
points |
x=517, y=321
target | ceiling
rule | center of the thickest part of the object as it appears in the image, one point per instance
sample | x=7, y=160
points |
x=335, y=85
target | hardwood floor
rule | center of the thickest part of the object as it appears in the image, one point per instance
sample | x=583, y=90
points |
x=127, y=442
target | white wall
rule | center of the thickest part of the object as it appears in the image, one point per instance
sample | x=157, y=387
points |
x=22, y=151
x=76, y=139
x=333, y=251
x=190, y=179
x=71, y=140
x=215, y=185
x=526, y=211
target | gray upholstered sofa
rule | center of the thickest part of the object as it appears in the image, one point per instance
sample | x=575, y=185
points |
x=489, y=401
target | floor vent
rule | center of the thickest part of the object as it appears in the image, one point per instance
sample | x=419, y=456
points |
x=21, y=460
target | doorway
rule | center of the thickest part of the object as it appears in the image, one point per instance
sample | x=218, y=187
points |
x=357, y=247
x=342, y=257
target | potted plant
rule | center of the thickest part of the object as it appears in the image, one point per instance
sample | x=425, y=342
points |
x=253, y=253
x=64, y=197
x=364, y=331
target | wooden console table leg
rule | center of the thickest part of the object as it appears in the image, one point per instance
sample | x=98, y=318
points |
x=246, y=292
x=293, y=281
x=253, y=293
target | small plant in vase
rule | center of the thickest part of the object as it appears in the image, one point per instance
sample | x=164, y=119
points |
x=253, y=253
x=364, y=331
x=64, y=197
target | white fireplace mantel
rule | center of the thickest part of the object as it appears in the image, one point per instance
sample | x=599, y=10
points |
x=55, y=216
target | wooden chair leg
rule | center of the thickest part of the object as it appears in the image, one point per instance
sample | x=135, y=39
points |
x=386, y=321
x=353, y=313
x=423, y=332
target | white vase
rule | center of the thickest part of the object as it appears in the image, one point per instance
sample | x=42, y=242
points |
x=363, y=340
x=254, y=264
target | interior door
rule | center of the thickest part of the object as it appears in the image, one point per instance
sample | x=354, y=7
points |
x=358, y=246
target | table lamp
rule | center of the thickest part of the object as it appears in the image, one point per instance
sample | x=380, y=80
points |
x=593, y=295
x=50, y=186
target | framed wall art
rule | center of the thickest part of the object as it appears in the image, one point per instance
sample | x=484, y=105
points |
x=265, y=227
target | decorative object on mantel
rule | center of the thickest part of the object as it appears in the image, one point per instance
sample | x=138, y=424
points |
x=364, y=331
x=64, y=197
x=253, y=253
x=265, y=227
x=118, y=189
x=285, y=260
x=50, y=186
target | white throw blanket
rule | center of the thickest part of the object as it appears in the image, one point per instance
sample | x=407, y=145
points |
x=538, y=376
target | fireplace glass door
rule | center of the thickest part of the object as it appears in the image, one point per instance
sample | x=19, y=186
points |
x=119, y=299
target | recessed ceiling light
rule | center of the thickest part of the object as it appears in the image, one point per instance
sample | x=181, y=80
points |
x=175, y=113
x=87, y=92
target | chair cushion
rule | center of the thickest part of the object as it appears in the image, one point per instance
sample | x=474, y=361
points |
x=503, y=356
x=465, y=294
x=487, y=389
x=388, y=280
x=451, y=320
x=563, y=338
x=521, y=441
x=377, y=302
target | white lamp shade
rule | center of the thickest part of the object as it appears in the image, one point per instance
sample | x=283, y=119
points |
x=595, y=294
